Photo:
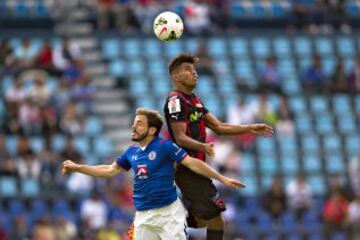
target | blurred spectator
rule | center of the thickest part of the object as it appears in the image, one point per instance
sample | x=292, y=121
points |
x=40, y=93
x=45, y=56
x=7, y=165
x=240, y=113
x=197, y=17
x=80, y=184
x=83, y=93
x=63, y=56
x=285, y=123
x=7, y=58
x=70, y=152
x=354, y=77
x=145, y=12
x=339, y=81
x=3, y=235
x=70, y=122
x=51, y=164
x=314, y=79
x=50, y=120
x=118, y=9
x=229, y=159
x=354, y=170
x=20, y=230
x=336, y=184
x=64, y=229
x=263, y=111
x=220, y=14
x=16, y=94
x=30, y=117
x=299, y=195
x=108, y=233
x=270, y=77
x=23, y=145
x=43, y=230
x=29, y=166
x=74, y=71
x=354, y=218
x=205, y=65
x=62, y=95
x=300, y=14
x=25, y=54
x=94, y=211
x=274, y=200
x=334, y=214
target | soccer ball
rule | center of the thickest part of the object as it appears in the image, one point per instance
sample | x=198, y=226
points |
x=168, y=26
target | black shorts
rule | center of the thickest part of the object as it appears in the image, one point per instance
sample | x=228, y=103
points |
x=200, y=196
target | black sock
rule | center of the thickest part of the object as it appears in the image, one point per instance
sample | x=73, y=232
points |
x=215, y=234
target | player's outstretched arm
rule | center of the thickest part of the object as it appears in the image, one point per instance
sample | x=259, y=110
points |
x=221, y=128
x=183, y=140
x=103, y=171
x=202, y=168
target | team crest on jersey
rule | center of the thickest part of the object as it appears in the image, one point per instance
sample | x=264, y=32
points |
x=152, y=155
x=142, y=171
x=174, y=105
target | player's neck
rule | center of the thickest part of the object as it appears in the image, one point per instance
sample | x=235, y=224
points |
x=184, y=90
x=143, y=143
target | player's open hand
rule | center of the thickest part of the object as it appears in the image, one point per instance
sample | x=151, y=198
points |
x=68, y=166
x=230, y=182
x=209, y=149
x=262, y=129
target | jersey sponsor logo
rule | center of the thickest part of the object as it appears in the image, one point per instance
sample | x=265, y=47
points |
x=195, y=116
x=199, y=105
x=174, y=105
x=142, y=171
x=152, y=155
x=175, y=116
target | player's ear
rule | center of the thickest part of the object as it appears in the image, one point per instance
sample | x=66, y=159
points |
x=152, y=130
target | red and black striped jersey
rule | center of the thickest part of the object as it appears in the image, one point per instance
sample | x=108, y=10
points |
x=189, y=109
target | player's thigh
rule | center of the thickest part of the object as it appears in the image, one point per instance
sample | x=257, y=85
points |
x=216, y=223
x=144, y=232
x=175, y=226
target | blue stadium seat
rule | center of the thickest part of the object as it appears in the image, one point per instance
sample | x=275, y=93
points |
x=237, y=10
x=226, y=85
x=161, y=86
x=138, y=86
x=286, y=66
x=191, y=45
x=312, y=163
x=303, y=123
x=117, y=68
x=290, y=165
x=310, y=143
x=239, y=47
x=332, y=144
x=345, y=46
x=341, y=103
x=289, y=223
x=352, y=144
x=348, y=65
x=352, y=9
x=260, y=47
x=21, y=9
x=223, y=66
x=152, y=48
x=279, y=10
x=291, y=86
x=217, y=47
x=213, y=104
x=264, y=222
x=251, y=186
x=37, y=144
x=334, y=164
x=132, y=47
x=103, y=147
x=317, y=184
x=265, y=145
x=339, y=236
x=157, y=68
x=81, y=144
x=303, y=46
x=40, y=9
x=357, y=103
x=205, y=85
x=30, y=187
x=328, y=65
x=346, y=123
x=16, y=207
x=324, y=46
x=247, y=164
x=8, y=187
x=287, y=146
x=38, y=208
x=111, y=48
x=258, y=10
x=11, y=144
x=298, y=104
x=58, y=142
x=93, y=126
x=319, y=104
x=173, y=49
x=147, y=102
x=324, y=123
x=268, y=164
x=60, y=206
x=135, y=67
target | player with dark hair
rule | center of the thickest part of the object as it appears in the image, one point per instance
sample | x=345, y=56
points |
x=159, y=213
x=187, y=119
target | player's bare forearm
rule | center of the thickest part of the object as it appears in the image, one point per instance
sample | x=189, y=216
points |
x=202, y=168
x=102, y=171
x=189, y=143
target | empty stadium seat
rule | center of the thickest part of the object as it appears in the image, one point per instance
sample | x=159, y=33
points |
x=103, y=147
x=132, y=47
x=281, y=46
x=8, y=187
x=290, y=165
x=260, y=47
x=310, y=143
x=30, y=187
x=334, y=164
x=324, y=46
x=312, y=163
x=93, y=126
x=319, y=104
x=239, y=47
x=303, y=46
x=345, y=46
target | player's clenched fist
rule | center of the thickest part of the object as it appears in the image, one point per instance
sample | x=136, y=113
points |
x=208, y=148
x=68, y=166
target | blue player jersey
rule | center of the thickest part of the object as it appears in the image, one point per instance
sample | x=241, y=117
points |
x=154, y=185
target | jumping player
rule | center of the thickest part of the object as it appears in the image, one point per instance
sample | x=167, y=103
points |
x=187, y=119
x=159, y=213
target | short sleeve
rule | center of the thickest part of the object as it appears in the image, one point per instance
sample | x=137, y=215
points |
x=123, y=161
x=175, y=152
x=175, y=107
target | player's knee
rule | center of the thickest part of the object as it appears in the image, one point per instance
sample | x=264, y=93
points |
x=216, y=223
